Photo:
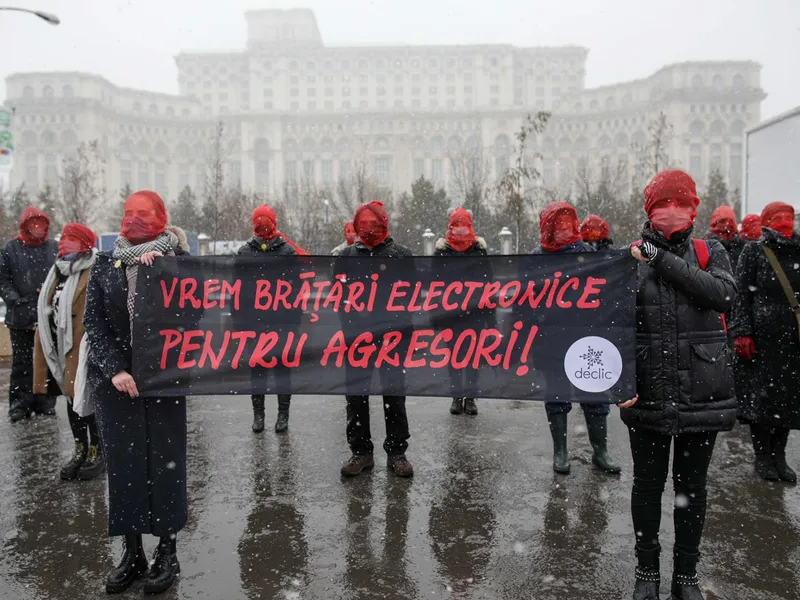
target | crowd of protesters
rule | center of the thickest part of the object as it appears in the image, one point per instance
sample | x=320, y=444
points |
x=718, y=337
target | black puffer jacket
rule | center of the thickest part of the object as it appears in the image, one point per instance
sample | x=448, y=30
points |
x=257, y=247
x=683, y=365
x=477, y=268
x=762, y=312
x=23, y=270
x=734, y=246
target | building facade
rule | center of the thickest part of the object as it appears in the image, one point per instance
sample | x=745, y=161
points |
x=294, y=110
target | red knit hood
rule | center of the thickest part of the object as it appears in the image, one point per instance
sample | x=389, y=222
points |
x=751, y=228
x=460, y=230
x=594, y=229
x=34, y=226
x=779, y=216
x=723, y=222
x=371, y=224
x=557, y=233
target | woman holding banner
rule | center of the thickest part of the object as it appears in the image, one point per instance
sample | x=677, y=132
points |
x=684, y=379
x=144, y=439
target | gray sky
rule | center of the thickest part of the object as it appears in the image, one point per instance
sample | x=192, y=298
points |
x=132, y=42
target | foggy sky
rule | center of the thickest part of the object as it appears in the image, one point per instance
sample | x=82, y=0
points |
x=132, y=42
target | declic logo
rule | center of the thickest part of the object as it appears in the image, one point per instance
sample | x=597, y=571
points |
x=593, y=364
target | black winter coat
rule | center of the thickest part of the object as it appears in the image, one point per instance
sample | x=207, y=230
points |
x=23, y=270
x=684, y=377
x=762, y=312
x=477, y=268
x=602, y=245
x=257, y=247
x=734, y=247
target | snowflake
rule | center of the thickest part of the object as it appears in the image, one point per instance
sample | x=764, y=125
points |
x=593, y=357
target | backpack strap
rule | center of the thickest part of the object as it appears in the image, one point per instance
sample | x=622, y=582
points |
x=703, y=251
x=785, y=283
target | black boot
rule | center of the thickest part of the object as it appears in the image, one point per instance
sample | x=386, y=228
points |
x=258, y=414
x=558, y=429
x=165, y=567
x=648, y=574
x=94, y=464
x=282, y=422
x=779, y=438
x=132, y=566
x=762, y=448
x=598, y=436
x=685, y=585
x=470, y=408
x=70, y=470
x=457, y=406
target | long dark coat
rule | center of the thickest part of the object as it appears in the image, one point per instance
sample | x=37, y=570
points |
x=23, y=270
x=683, y=364
x=144, y=439
x=762, y=312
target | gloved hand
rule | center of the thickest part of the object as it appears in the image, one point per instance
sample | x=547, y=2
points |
x=745, y=347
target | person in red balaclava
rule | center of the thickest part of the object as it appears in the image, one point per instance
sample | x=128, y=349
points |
x=461, y=240
x=24, y=264
x=725, y=229
x=684, y=380
x=596, y=232
x=559, y=227
x=371, y=224
x=751, y=228
x=146, y=473
x=268, y=242
x=350, y=238
x=62, y=304
x=766, y=338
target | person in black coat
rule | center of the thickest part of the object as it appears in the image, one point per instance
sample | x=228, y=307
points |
x=144, y=439
x=461, y=240
x=268, y=242
x=372, y=227
x=560, y=234
x=24, y=264
x=766, y=339
x=725, y=230
x=596, y=232
x=684, y=380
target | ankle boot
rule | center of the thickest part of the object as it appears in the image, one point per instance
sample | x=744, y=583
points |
x=94, y=464
x=470, y=408
x=258, y=413
x=457, y=406
x=762, y=448
x=685, y=585
x=598, y=436
x=165, y=567
x=648, y=574
x=132, y=566
x=558, y=429
x=70, y=470
x=282, y=422
x=780, y=438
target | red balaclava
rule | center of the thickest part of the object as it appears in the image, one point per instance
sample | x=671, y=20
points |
x=145, y=217
x=460, y=231
x=33, y=227
x=723, y=222
x=671, y=202
x=350, y=233
x=265, y=227
x=779, y=217
x=559, y=226
x=751, y=228
x=76, y=239
x=594, y=229
x=371, y=224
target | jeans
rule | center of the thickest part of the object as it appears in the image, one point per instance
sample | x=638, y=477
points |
x=690, y=462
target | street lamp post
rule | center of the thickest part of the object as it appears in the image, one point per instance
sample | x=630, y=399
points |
x=49, y=17
x=327, y=203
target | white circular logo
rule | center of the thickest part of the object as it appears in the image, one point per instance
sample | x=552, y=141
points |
x=593, y=364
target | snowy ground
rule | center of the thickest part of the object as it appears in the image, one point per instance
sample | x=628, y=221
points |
x=483, y=518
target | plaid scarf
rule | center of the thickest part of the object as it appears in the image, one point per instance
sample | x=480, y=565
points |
x=128, y=255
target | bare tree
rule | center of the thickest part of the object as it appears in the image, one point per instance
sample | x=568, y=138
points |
x=214, y=185
x=653, y=156
x=470, y=178
x=81, y=196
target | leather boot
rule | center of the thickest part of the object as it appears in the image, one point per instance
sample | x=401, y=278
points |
x=779, y=439
x=558, y=429
x=648, y=574
x=70, y=470
x=94, y=464
x=165, y=567
x=762, y=448
x=598, y=436
x=685, y=585
x=282, y=422
x=457, y=406
x=470, y=408
x=132, y=566
x=258, y=413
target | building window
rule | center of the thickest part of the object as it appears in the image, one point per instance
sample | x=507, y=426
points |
x=419, y=168
x=294, y=80
x=268, y=105
x=294, y=92
x=433, y=90
x=262, y=173
x=309, y=174
x=161, y=178
x=329, y=91
x=295, y=106
x=383, y=168
x=416, y=77
x=327, y=171
x=696, y=159
x=495, y=89
x=344, y=170
x=235, y=170
x=415, y=91
x=290, y=172
x=716, y=157
x=311, y=92
x=437, y=170
x=467, y=76
x=735, y=172
x=364, y=91
x=183, y=176
x=556, y=91
x=329, y=105
x=345, y=91
x=125, y=171
x=415, y=103
x=50, y=169
x=143, y=176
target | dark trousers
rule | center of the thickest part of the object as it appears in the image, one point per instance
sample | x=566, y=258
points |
x=359, y=435
x=562, y=408
x=20, y=391
x=691, y=458
x=84, y=429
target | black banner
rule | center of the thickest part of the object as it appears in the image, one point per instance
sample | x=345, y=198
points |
x=540, y=327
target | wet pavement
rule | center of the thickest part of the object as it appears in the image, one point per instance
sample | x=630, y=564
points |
x=484, y=517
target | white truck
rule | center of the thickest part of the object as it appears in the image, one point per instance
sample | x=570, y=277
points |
x=772, y=163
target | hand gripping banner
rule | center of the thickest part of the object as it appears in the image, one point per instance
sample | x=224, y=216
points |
x=541, y=327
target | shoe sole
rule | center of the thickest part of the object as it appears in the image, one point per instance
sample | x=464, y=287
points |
x=403, y=476
x=118, y=588
x=68, y=476
x=160, y=589
x=351, y=474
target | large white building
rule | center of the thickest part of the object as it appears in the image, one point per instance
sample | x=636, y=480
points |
x=294, y=109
